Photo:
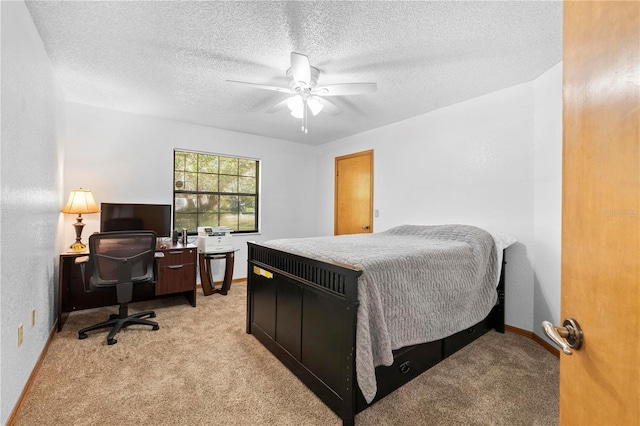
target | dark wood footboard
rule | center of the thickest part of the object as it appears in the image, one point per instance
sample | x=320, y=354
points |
x=304, y=311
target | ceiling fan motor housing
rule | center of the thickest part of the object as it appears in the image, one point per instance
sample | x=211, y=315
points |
x=297, y=85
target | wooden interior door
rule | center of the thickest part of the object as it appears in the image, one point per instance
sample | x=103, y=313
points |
x=354, y=193
x=600, y=383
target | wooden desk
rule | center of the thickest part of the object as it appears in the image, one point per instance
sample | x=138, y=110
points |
x=176, y=274
x=206, y=276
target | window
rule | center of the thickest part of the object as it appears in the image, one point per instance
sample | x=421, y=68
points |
x=215, y=190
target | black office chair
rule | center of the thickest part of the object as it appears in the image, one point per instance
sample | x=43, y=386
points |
x=120, y=260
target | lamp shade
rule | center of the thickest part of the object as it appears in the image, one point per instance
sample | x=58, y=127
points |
x=81, y=201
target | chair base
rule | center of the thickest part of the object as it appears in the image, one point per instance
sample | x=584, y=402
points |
x=118, y=322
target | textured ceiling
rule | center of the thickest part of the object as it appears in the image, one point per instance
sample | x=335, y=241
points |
x=171, y=59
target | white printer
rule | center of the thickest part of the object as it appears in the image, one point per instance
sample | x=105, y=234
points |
x=212, y=239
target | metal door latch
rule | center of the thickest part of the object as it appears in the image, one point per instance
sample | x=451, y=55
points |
x=567, y=337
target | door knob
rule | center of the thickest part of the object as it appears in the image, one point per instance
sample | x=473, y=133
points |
x=365, y=226
x=567, y=337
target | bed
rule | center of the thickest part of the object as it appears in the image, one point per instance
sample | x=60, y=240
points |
x=355, y=317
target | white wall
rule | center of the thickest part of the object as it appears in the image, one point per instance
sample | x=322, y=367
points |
x=128, y=158
x=31, y=177
x=547, y=198
x=470, y=163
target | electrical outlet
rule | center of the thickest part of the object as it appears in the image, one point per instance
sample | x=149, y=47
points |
x=33, y=317
x=19, y=335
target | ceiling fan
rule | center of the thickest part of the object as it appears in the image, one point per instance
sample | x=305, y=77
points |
x=307, y=97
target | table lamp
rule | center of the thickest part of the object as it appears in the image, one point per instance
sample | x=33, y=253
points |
x=80, y=201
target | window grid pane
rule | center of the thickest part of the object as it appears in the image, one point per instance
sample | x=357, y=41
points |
x=247, y=168
x=229, y=184
x=208, y=163
x=207, y=182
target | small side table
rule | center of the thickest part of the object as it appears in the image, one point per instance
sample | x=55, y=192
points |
x=206, y=275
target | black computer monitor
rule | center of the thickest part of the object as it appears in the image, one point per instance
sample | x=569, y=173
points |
x=135, y=217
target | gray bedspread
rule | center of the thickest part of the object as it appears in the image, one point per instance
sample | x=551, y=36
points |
x=419, y=284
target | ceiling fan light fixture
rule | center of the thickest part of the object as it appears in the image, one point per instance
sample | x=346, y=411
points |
x=296, y=106
x=315, y=105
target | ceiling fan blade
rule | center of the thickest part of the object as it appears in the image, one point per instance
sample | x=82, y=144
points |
x=329, y=107
x=263, y=86
x=345, y=89
x=300, y=68
x=277, y=107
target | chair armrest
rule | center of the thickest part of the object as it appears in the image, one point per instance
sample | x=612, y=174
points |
x=157, y=255
x=82, y=261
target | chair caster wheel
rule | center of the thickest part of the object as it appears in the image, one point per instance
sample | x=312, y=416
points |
x=156, y=327
x=152, y=315
x=111, y=341
x=82, y=336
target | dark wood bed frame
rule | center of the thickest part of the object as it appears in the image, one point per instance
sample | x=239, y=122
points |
x=304, y=311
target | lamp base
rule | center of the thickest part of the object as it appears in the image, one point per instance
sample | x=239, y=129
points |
x=78, y=247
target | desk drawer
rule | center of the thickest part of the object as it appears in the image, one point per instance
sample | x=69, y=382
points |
x=177, y=257
x=176, y=278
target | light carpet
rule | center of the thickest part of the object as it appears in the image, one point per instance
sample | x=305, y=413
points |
x=201, y=368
